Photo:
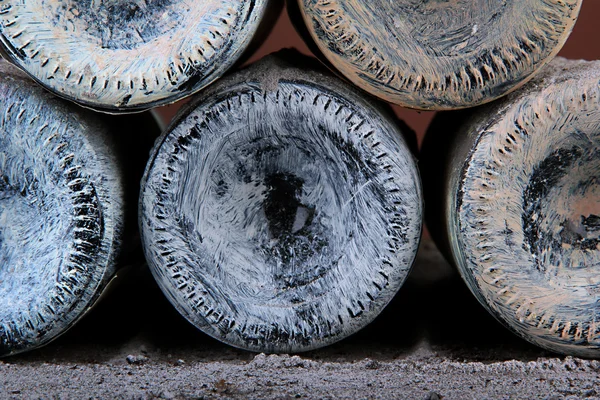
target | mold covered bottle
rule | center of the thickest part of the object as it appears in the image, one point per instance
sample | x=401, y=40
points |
x=282, y=210
x=65, y=218
x=123, y=56
x=513, y=197
x=436, y=55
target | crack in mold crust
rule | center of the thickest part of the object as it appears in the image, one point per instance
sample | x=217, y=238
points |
x=439, y=54
x=527, y=205
x=278, y=215
x=127, y=55
x=60, y=213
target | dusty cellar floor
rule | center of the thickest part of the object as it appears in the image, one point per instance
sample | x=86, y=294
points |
x=433, y=341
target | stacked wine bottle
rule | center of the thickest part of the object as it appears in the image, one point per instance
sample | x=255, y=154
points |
x=281, y=210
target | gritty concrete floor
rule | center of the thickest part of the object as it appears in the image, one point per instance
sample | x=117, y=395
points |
x=433, y=341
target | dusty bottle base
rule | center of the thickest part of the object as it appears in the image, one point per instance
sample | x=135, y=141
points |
x=438, y=55
x=282, y=211
x=127, y=56
x=60, y=213
x=521, y=207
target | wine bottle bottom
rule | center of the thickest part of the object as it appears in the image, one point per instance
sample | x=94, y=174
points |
x=528, y=221
x=280, y=218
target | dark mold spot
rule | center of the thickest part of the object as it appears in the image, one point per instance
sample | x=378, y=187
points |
x=545, y=176
x=123, y=25
x=282, y=206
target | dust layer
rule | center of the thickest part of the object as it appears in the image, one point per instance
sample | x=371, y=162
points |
x=276, y=377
